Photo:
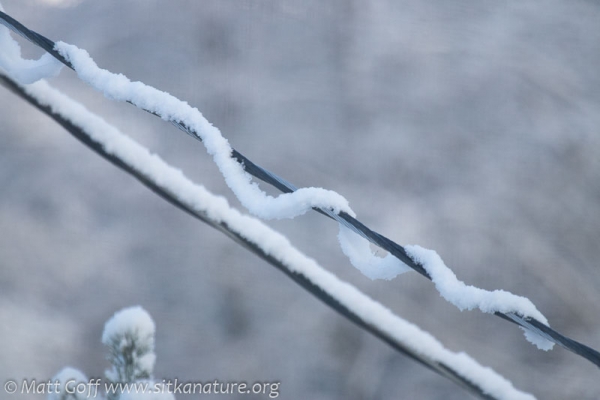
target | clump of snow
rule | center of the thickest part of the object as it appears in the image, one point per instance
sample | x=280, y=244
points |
x=217, y=209
x=467, y=297
x=358, y=251
x=130, y=335
x=130, y=320
x=71, y=377
x=22, y=70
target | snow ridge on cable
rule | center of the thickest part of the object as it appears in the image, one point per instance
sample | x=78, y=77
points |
x=150, y=168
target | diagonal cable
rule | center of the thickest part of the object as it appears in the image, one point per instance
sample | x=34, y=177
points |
x=347, y=220
x=442, y=368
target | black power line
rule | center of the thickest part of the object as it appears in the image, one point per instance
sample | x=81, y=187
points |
x=444, y=369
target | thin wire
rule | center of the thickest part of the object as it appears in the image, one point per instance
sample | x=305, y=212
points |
x=347, y=220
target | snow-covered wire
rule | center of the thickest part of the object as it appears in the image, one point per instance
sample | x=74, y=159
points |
x=271, y=246
x=289, y=205
x=524, y=315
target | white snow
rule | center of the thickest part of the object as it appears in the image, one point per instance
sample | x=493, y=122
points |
x=467, y=297
x=68, y=377
x=358, y=251
x=131, y=326
x=22, y=70
x=289, y=205
x=130, y=320
x=273, y=243
x=119, y=87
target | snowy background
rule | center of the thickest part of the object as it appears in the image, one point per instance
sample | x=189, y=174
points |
x=467, y=127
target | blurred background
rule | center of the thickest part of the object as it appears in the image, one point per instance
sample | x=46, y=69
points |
x=468, y=127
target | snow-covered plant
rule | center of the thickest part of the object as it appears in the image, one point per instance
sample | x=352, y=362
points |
x=129, y=338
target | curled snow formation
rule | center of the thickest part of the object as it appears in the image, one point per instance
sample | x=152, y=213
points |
x=289, y=205
x=23, y=70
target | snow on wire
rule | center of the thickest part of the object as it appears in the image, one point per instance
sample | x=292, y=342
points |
x=329, y=203
x=172, y=185
x=235, y=167
x=296, y=201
